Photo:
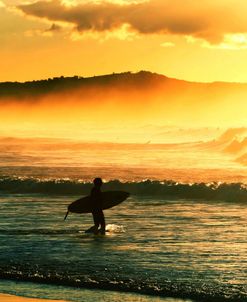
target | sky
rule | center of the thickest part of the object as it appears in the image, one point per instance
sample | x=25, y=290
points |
x=201, y=41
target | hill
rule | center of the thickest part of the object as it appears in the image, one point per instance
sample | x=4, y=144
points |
x=123, y=82
x=141, y=79
x=139, y=98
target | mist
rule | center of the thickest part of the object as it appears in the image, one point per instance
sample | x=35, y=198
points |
x=118, y=107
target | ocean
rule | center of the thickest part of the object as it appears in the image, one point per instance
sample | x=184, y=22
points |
x=180, y=236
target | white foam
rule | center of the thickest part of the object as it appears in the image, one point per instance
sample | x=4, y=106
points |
x=114, y=228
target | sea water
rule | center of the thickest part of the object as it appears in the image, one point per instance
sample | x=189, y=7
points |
x=181, y=234
x=154, y=245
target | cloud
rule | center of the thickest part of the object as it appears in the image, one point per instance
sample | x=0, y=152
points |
x=123, y=33
x=236, y=41
x=168, y=44
x=210, y=20
x=54, y=28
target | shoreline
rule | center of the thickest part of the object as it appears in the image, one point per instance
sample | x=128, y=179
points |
x=14, y=298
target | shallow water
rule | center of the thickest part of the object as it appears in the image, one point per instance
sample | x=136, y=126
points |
x=167, y=248
x=36, y=290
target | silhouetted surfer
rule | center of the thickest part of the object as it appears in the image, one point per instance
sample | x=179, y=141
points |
x=98, y=215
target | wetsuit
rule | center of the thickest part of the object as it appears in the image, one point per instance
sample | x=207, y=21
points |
x=98, y=215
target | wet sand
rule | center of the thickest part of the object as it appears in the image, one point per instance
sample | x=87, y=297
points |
x=11, y=298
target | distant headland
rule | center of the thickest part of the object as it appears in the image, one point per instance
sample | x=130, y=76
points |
x=140, y=81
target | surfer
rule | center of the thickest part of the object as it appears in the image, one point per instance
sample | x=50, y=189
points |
x=97, y=212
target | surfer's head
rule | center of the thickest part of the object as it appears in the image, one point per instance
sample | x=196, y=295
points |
x=98, y=182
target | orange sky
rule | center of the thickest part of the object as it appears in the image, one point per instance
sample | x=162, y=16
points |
x=192, y=40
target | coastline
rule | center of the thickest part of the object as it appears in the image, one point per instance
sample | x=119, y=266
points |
x=19, y=291
x=12, y=298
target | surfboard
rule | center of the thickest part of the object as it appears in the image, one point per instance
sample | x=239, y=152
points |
x=109, y=199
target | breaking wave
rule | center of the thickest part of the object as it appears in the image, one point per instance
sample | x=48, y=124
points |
x=198, y=292
x=232, y=192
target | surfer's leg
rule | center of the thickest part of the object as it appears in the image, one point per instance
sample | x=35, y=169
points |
x=102, y=222
x=96, y=221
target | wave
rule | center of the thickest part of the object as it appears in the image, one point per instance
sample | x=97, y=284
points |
x=242, y=159
x=232, y=192
x=236, y=146
x=165, y=288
